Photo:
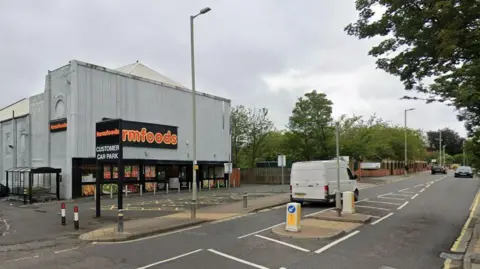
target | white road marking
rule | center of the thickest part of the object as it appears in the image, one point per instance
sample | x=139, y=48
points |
x=422, y=190
x=237, y=259
x=419, y=185
x=146, y=238
x=375, y=217
x=336, y=242
x=65, y=250
x=373, y=207
x=377, y=221
x=399, y=194
x=21, y=259
x=314, y=213
x=283, y=243
x=7, y=226
x=171, y=259
x=391, y=198
x=243, y=236
x=404, y=204
x=382, y=202
x=406, y=191
x=414, y=196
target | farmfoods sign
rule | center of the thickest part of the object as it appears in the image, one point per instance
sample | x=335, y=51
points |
x=113, y=135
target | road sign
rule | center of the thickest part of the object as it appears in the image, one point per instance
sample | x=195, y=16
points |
x=293, y=217
x=282, y=160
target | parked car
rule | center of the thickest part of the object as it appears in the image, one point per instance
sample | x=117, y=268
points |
x=438, y=169
x=316, y=181
x=464, y=171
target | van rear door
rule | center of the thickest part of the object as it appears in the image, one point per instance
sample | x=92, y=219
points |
x=308, y=184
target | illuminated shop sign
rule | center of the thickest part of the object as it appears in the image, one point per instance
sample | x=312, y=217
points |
x=58, y=125
x=147, y=135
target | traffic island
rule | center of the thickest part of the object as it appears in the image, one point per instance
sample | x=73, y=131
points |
x=317, y=229
x=331, y=215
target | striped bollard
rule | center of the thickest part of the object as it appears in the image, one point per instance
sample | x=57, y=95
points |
x=64, y=221
x=75, y=217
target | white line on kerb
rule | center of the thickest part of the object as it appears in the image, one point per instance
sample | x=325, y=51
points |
x=237, y=259
x=283, y=243
x=243, y=236
x=404, y=204
x=21, y=259
x=377, y=221
x=146, y=238
x=336, y=242
x=171, y=259
x=373, y=207
x=422, y=190
x=64, y=250
x=414, y=196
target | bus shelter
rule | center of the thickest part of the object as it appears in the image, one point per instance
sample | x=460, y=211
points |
x=33, y=184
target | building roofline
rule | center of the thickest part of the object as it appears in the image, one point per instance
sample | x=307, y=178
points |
x=97, y=67
x=12, y=104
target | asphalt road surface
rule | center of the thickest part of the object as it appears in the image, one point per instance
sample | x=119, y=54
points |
x=415, y=220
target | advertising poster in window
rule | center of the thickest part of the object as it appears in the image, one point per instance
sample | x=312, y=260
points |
x=88, y=190
x=150, y=172
x=128, y=171
x=135, y=171
x=115, y=172
x=221, y=182
x=149, y=186
x=106, y=172
x=107, y=188
x=133, y=188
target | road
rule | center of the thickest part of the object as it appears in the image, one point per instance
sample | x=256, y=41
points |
x=415, y=220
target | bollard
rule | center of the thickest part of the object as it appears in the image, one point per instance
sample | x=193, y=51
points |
x=234, y=183
x=141, y=190
x=155, y=189
x=120, y=221
x=218, y=185
x=228, y=185
x=75, y=217
x=338, y=203
x=200, y=185
x=245, y=195
x=178, y=188
x=189, y=186
x=111, y=191
x=126, y=191
x=166, y=188
x=193, y=209
x=209, y=185
x=64, y=221
x=294, y=213
x=348, y=203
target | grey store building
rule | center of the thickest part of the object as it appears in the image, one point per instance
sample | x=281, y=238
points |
x=57, y=129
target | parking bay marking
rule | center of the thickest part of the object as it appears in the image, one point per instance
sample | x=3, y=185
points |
x=390, y=198
x=400, y=194
x=282, y=243
x=382, y=202
x=414, y=196
x=170, y=259
x=373, y=207
x=404, y=204
x=336, y=242
x=236, y=259
x=243, y=236
x=380, y=219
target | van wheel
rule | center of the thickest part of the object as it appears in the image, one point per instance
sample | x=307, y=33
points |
x=355, y=195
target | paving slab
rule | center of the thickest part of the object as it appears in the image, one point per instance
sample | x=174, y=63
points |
x=331, y=215
x=317, y=229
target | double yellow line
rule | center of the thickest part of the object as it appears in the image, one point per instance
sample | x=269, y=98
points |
x=454, y=248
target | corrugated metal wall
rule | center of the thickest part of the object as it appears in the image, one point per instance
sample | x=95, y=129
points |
x=114, y=95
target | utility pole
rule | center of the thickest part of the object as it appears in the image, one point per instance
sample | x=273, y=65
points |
x=440, y=148
x=338, y=198
x=463, y=147
x=406, y=158
x=193, y=212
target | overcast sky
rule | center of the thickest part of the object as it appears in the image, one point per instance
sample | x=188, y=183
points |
x=256, y=53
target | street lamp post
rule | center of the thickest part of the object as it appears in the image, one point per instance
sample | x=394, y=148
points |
x=193, y=212
x=463, y=147
x=440, y=148
x=444, y=156
x=406, y=158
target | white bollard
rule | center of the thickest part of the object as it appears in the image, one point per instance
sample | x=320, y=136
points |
x=167, y=188
x=141, y=190
x=111, y=191
x=179, y=188
x=294, y=214
x=218, y=185
x=126, y=191
x=348, y=203
x=234, y=183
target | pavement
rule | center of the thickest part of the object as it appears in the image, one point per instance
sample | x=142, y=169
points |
x=413, y=222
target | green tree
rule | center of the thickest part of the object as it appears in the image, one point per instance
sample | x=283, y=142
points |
x=452, y=140
x=274, y=146
x=259, y=128
x=310, y=127
x=239, y=120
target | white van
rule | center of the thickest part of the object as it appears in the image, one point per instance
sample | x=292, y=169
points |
x=316, y=181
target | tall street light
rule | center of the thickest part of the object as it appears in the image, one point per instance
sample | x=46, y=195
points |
x=440, y=147
x=406, y=159
x=193, y=212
